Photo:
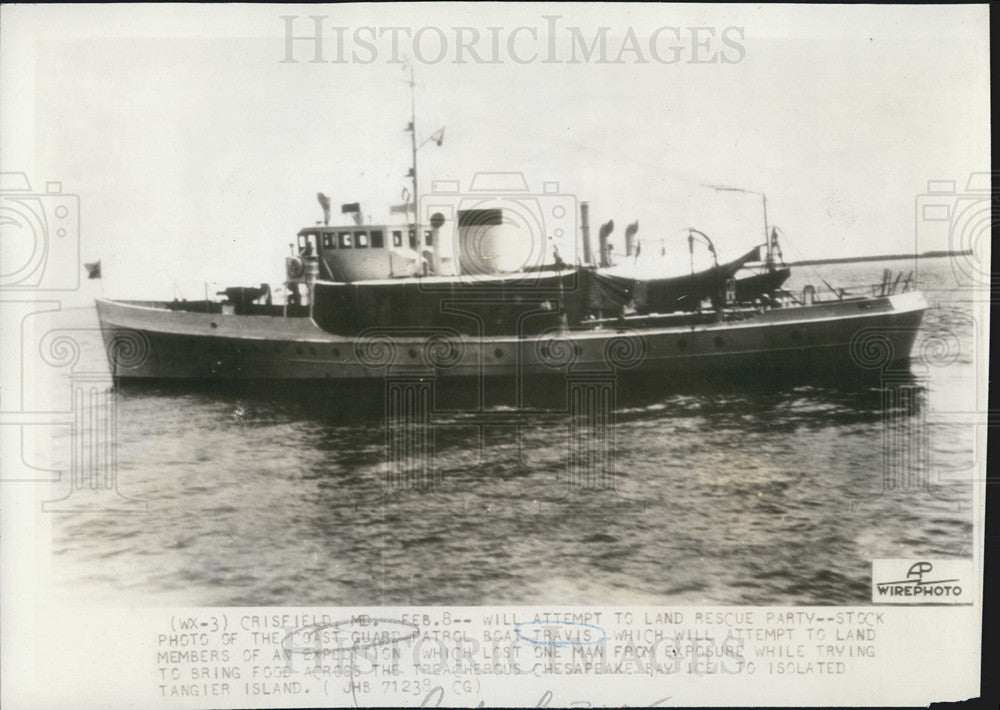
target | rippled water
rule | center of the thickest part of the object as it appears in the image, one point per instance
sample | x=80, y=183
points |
x=723, y=494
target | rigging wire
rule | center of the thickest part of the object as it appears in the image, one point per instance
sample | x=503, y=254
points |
x=591, y=147
x=787, y=242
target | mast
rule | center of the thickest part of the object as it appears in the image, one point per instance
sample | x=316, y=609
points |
x=437, y=137
x=413, y=171
x=767, y=238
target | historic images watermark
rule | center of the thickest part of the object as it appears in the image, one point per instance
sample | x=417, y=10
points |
x=963, y=219
x=961, y=215
x=906, y=416
x=317, y=39
x=41, y=237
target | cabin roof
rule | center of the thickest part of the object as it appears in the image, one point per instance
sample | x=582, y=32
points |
x=320, y=229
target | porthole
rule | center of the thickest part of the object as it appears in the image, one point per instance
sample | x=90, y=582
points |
x=335, y=352
x=498, y=353
x=412, y=353
x=214, y=324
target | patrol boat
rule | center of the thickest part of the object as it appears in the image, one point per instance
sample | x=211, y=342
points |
x=366, y=300
x=469, y=286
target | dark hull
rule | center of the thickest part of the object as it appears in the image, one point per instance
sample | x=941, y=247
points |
x=869, y=335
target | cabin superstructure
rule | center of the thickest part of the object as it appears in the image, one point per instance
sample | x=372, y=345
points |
x=476, y=242
x=363, y=252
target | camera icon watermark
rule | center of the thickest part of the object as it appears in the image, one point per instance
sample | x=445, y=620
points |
x=958, y=223
x=920, y=402
x=40, y=233
x=498, y=226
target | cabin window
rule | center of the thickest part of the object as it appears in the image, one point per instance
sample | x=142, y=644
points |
x=361, y=240
x=397, y=237
x=306, y=244
x=345, y=240
x=378, y=241
x=413, y=239
x=428, y=237
x=328, y=241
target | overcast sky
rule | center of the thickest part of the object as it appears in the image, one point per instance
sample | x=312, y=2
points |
x=197, y=152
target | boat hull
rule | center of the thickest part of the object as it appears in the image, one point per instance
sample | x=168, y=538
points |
x=147, y=342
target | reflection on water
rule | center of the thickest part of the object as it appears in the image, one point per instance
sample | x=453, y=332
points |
x=347, y=403
x=711, y=492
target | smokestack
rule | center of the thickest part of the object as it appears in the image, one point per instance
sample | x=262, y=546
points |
x=606, y=230
x=630, y=237
x=324, y=202
x=585, y=231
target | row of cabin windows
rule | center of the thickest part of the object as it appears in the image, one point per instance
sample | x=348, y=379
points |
x=374, y=239
x=358, y=240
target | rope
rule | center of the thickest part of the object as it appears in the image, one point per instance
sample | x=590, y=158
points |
x=826, y=283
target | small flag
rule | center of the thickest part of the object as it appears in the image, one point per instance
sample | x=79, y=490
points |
x=438, y=137
x=405, y=195
x=400, y=209
x=352, y=207
x=93, y=269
